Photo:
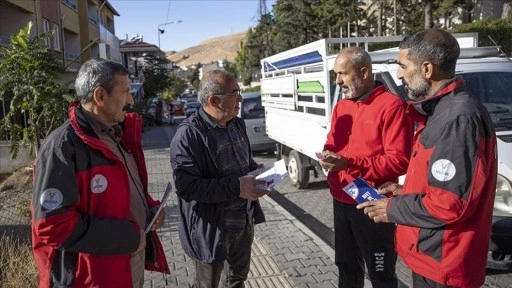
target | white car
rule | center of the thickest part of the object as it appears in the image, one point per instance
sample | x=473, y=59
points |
x=253, y=114
x=191, y=108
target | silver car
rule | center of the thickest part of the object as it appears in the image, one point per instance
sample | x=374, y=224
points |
x=253, y=114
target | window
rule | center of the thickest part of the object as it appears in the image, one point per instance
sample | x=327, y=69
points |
x=70, y=3
x=56, y=38
x=46, y=28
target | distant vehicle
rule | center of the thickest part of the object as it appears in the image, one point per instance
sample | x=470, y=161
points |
x=179, y=108
x=155, y=110
x=191, y=108
x=253, y=114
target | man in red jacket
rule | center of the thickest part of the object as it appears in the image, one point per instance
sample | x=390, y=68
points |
x=90, y=202
x=370, y=137
x=444, y=209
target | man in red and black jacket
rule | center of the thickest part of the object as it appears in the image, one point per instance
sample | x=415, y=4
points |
x=370, y=137
x=444, y=210
x=90, y=202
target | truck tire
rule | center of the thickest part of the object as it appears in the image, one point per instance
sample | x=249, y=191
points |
x=298, y=170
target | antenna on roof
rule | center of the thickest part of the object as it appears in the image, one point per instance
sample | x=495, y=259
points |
x=501, y=52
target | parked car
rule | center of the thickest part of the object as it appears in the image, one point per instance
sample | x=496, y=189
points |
x=179, y=108
x=191, y=108
x=253, y=114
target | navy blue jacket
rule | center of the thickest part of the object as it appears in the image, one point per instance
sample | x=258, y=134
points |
x=202, y=191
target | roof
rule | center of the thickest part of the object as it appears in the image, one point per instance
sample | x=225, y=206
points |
x=114, y=11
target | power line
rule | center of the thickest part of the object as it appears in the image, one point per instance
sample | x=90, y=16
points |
x=168, y=12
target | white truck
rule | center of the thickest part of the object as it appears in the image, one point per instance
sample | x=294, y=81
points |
x=299, y=92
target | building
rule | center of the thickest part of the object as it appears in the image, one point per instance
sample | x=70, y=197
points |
x=132, y=54
x=83, y=29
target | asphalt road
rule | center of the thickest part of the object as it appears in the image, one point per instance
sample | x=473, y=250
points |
x=313, y=207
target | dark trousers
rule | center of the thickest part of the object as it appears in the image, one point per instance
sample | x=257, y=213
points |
x=235, y=269
x=359, y=240
x=419, y=281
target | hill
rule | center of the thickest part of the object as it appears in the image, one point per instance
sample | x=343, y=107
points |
x=224, y=47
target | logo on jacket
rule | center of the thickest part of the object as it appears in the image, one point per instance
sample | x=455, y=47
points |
x=51, y=198
x=443, y=170
x=98, y=183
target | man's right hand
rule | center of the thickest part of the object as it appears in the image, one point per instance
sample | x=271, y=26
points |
x=249, y=189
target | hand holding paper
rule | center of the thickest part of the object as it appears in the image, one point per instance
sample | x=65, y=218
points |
x=273, y=175
x=249, y=188
x=361, y=191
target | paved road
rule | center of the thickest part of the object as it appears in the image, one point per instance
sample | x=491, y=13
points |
x=313, y=207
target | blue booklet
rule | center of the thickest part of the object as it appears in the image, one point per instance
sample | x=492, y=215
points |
x=361, y=191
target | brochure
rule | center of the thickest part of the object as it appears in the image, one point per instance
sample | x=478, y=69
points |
x=160, y=207
x=361, y=191
x=272, y=174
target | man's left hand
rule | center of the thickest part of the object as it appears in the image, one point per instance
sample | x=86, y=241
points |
x=333, y=162
x=376, y=210
x=160, y=220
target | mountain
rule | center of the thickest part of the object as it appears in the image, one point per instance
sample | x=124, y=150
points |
x=223, y=47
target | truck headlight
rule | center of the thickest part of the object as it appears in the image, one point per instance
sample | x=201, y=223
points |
x=503, y=199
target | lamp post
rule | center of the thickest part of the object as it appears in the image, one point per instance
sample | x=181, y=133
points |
x=162, y=30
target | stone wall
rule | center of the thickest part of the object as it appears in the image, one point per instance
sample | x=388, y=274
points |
x=8, y=165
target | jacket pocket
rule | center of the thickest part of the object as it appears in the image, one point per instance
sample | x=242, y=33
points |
x=430, y=242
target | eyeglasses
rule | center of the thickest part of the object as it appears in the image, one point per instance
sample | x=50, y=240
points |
x=237, y=93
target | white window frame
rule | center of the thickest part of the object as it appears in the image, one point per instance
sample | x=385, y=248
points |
x=46, y=28
x=56, y=37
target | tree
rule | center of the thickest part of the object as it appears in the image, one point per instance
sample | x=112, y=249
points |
x=192, y=76
x=295, y=24
x=178, y=85
x=156, y=76
x=37, y=104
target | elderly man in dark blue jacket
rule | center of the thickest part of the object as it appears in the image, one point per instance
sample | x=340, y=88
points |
x=218, y=201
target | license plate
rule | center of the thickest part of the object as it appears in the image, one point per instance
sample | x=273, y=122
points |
x=259, y=129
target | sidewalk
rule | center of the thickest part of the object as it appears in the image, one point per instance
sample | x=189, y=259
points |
x=285, y=252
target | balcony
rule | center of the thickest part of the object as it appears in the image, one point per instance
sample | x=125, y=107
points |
x=70, y=3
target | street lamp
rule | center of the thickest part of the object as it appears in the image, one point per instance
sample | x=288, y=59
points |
x=162, y=30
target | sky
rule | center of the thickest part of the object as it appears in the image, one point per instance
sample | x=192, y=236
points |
x=200, y=20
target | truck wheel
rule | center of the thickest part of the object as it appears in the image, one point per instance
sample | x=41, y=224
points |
x=297, y=170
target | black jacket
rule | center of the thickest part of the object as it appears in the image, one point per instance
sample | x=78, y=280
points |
x=202, y=191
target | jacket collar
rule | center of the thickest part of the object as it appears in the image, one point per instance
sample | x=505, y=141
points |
x=426, y=107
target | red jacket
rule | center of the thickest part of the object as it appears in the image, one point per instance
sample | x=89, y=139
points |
x=375, y=134
x=445, y=209
x=82, y=235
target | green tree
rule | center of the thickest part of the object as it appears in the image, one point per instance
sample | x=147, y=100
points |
x=192, y=76
x=295, y=24
x=37, y=104
x=156, y=76
x=177, y=87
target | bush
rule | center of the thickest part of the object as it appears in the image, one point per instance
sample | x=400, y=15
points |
x=17, y=266
x=499, y=30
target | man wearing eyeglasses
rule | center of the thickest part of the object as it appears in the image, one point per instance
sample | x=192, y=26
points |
x=218, y=201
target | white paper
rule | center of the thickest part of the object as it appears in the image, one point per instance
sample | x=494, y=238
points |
x=273, y=175
x=160, y=207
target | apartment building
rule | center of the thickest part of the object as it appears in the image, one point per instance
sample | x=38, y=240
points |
x=83, y=29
